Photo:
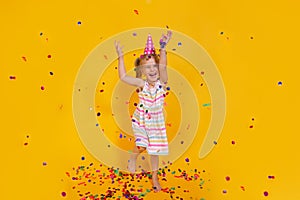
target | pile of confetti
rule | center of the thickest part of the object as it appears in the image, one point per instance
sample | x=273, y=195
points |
x=112, y=183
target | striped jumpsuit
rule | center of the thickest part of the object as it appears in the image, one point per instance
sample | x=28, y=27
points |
x=148, y=121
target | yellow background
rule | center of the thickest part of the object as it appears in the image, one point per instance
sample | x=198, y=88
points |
x=258, y=48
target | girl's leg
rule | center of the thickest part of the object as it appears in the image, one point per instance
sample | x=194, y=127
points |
x=135, y=152
x=154, y=163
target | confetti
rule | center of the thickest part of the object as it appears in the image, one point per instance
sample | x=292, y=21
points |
x=179, y=44
x=187, y=160
x=279, y=83
x=232, y=142
x=44, y=163
x=134, y=34
x=227, y=178
x=98, y=114
x=82, y=158
x=271, y=177
x=24, y=58
x=221, y=32
x=266, y=193
x=42, y=88
x=12, y=77
x=206, y=104
x=49, y=56
x=51, y=73
x=79, y=23
x=64, y=194
x=224, y=191
x=136, y=12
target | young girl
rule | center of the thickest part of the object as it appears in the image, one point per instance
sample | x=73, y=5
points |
x=148, y=120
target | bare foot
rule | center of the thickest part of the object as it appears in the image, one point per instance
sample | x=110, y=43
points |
x=131, y=165
x=155, y=183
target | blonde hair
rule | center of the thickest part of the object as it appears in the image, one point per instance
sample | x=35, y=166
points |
x=140, y=60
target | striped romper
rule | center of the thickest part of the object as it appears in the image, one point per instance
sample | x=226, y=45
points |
x=148, y=121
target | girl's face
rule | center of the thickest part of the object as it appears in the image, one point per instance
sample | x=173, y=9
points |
x=150, y=70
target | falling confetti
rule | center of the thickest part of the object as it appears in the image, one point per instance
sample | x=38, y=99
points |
x=64, y=194
x=12, y=77
x=42, y=88
x=136, y=12
x=227, y=178
x=49, y=56
x=206, y=104
x=24, y=58
x=79, y=23
x=266, y=193
x=279, y=83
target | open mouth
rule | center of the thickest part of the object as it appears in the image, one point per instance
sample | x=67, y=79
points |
x=153, y=75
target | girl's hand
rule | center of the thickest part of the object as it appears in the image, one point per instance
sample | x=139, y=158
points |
x=165, y=39
x=118, y=48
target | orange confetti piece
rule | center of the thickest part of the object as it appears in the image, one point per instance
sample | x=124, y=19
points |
x=136, y=12
x=24, y=58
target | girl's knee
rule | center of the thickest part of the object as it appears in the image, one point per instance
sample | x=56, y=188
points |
x=141, y=149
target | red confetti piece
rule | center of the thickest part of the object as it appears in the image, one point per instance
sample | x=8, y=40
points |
x=243, y=188
x=232, y=142
x=26, y=143
x=24, y=58
x=12, y=77
x=49, y=56
x=266, y=193
x=63, y=194
x=42, y=88
x=251, y=126
x=227, y=178
x=136, y=12
x=102, y=90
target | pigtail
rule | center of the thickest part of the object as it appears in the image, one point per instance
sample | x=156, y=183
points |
x=138, y=70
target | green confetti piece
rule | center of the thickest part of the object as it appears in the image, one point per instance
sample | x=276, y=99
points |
x=206, y=104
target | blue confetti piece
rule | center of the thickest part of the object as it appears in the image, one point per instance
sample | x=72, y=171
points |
x=79, y=22
x=121, y=135
x=179, y=44
x=82, y=158
x=280, y=83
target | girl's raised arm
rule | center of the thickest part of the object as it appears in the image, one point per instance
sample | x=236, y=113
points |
x=163, y=57
x=122, y=71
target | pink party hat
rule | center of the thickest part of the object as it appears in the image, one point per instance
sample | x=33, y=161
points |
x=149, y=49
